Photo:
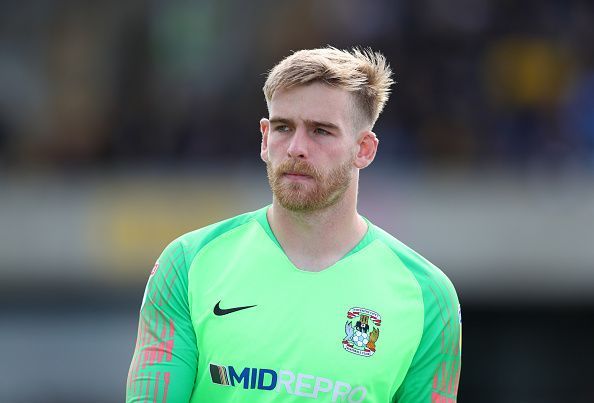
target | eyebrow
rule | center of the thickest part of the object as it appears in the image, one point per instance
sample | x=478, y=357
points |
x=308, y=122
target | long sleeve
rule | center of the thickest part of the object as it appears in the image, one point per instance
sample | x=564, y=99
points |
x=434, y=373
x=164, y=364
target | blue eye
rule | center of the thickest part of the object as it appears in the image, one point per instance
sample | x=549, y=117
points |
x=321, y=131
x=281, y=128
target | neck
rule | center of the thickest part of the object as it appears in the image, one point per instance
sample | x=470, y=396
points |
x=315, y=240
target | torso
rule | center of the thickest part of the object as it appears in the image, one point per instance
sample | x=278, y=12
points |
x=308, y=335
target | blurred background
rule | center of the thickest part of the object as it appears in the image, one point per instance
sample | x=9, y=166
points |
x=124, y=124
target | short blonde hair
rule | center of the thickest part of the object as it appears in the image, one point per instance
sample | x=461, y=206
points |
x=363, y=72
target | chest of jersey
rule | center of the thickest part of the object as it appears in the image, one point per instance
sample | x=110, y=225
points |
x=347, y=333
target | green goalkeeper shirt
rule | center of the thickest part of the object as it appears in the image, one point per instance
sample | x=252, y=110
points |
x=226, y=317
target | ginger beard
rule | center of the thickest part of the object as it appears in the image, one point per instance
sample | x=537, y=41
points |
x=321, y=191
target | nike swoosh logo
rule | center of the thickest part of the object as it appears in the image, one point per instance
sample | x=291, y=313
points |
x=220, y=312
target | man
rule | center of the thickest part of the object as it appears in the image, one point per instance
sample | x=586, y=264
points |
x=304, y=299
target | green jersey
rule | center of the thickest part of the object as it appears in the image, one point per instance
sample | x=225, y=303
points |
x=226, y=317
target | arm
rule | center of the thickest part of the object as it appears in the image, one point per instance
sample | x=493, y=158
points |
x=163, y=367
x=435, y=369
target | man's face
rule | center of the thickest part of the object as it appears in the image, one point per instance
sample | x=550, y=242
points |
x=309, y=146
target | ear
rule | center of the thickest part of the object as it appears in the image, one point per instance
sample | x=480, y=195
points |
x=264, y=129
x=367, y=147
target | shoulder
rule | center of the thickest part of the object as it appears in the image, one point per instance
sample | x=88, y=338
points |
x=434, y=283
x=189, y=244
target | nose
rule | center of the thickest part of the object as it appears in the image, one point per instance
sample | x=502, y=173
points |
x=298, y=144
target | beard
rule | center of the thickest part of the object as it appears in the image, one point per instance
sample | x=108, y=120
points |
x=326, y=190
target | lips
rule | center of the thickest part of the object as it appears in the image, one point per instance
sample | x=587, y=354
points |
x=297, y=175
x=294, y=169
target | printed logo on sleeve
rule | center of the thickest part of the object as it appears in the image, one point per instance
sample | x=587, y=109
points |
x=155, y=267
x=153, y=271
x=362, y=331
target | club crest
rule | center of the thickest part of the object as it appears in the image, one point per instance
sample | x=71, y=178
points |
x=362, y=331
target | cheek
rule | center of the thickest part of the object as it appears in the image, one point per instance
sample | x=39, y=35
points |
x=275, y=147
x=345, y=154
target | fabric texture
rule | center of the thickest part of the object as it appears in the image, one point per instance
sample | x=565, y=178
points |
x=226, y=317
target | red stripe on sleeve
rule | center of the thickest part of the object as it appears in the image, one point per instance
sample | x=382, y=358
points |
x=156, y=388
x=166, y=375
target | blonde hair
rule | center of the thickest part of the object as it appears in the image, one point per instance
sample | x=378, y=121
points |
x=363, y=72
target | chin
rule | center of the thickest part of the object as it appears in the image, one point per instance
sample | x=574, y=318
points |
x=306, y=205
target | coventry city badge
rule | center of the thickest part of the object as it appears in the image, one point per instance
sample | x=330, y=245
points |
x=362, y=331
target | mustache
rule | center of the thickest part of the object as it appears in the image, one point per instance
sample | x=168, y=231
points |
x=297, y=167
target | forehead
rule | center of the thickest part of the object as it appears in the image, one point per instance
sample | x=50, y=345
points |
x=315, y=101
